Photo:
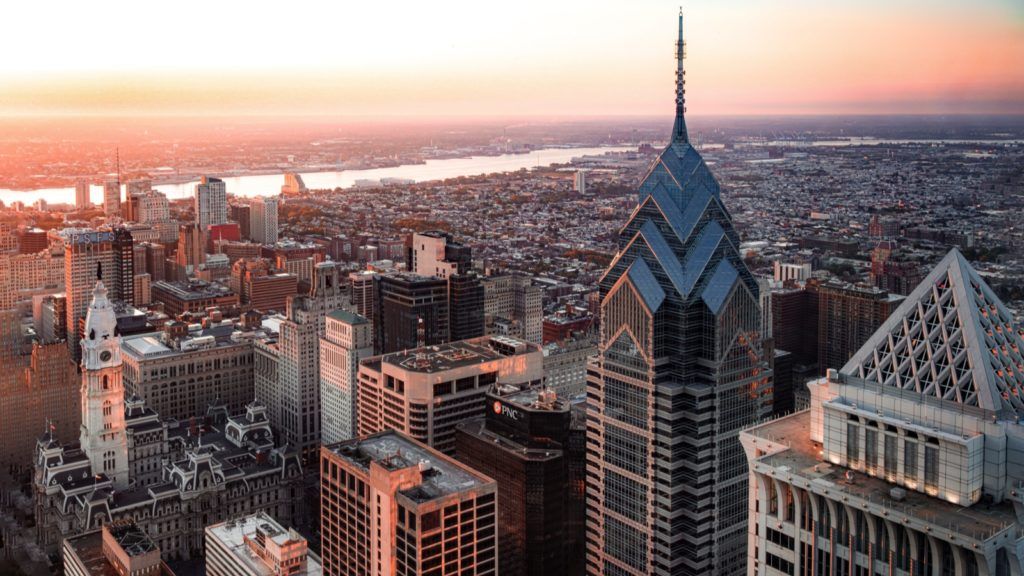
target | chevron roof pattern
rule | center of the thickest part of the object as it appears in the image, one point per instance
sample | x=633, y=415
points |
x=951, y=339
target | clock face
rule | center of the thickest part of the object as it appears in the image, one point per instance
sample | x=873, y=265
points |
x=105, y=355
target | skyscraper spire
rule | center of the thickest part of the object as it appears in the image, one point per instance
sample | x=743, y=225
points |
x=679, y=135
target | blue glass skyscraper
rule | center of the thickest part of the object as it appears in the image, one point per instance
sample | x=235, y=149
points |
x=681, y=370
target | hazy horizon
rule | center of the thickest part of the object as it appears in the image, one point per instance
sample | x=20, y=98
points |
x=467, y=60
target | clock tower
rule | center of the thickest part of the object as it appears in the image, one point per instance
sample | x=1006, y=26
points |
x=103, y=437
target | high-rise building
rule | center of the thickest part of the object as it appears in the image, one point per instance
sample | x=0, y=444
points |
x=263, y=219
x=465, y=306
x=565, y=365
x=413, y=312
x=891, y=272
x=241, y=214
x=437, y=254
x=681, y=369
x=579, y=183
x=191, y=250
x=288, y=367
x=210, y=202
x=112, y=197
x=904, y=463
x=214, y=365
x=103, y=438
x=87, y=254
x=791, y=271
x=847, y=316
x=82, y=201
x=260, y=287
x=347, y=340
x=50, y=317
x=524, y=444
x=36, y=396
x=514, y=298
x=436, y=387
x=192, y=296
x=258, y=545
x=122, y=280
x=392, y=506
x=362, y=287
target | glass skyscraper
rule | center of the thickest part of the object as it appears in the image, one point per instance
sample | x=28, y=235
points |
x=682, y=369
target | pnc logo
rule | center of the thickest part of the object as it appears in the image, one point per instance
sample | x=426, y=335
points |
x=503, y=410
x=497, y=407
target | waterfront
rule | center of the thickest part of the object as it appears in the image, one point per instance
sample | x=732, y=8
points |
x=270, y=184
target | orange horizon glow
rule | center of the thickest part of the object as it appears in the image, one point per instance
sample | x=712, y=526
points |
x=527, y=59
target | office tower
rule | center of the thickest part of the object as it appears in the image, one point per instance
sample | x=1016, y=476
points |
x=565, y=365
x=25, y=276
x=118, y=548
x=86, y=254
x=392, y=506
x=241, y=214
x=347, y=340
x=440, y=385
x=153, y=207
x=50, y=317
x=847, y=316
x=287, y=377
x=143, y=290
x=260, y=287
x=680, y=371
x=437, y=254
x=32, y=240
x=112, y=197
x=465, y=306
x=214, y=364
x=524, y=444
x=795, y=323
x=904, y=463
x=122, y=280
x=362, y=290
x=515, y=299
x=191, y=250
x=258, y=544
x=155, y=259
x=210, y=202
x=263, y=219
x=34, y=396
x=103, y=437
x=579, y=183
x=82, y=201
x=413, y=312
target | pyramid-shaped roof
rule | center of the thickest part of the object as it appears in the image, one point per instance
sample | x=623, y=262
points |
x=952, y=339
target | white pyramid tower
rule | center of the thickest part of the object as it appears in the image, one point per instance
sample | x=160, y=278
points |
x=952, y=339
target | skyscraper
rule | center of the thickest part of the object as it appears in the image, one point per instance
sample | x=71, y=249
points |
x=392, y=506
x=347, y=340
x=681, y=370
x=112, y=197
x=191, y=250
x=263, y=219
x=211, y=202
x=122, y=280
x=86, y=252
x=413, y=312
x=905, y=463
x=82, y=201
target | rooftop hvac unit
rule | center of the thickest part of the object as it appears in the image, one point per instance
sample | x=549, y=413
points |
x=898, y=494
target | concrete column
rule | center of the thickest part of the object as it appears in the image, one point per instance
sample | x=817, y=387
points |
x=935, y=551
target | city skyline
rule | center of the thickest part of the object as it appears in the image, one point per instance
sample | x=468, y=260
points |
x=526, y=60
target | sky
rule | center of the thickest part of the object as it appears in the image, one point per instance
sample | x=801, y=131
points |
x=519, y=58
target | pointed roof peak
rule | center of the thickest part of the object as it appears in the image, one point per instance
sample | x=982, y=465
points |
x=951, y=339
x=679, y=135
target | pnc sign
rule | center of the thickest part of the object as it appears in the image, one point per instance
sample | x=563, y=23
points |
x=503, y=410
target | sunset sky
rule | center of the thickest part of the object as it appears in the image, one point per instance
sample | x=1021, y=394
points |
x=511, y=58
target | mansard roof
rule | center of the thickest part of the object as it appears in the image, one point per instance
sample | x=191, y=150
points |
x=952, y=339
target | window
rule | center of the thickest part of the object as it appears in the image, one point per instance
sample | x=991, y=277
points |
x=910, y=459
x=931, y=468
x=871, y=450
x=890, y=457
x=852, y=443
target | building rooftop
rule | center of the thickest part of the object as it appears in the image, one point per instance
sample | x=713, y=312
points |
x=454, y=355
x=232, y=533
x=89, y=549
x=800, y=465
x=347, y=317
x=194, y=290
x=442, y=476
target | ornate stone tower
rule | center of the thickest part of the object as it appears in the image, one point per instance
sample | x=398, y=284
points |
x=103, y=436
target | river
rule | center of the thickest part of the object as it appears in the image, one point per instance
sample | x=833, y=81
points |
x=270, y=184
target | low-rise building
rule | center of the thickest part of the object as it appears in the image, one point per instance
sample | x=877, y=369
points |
x=258, y=545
